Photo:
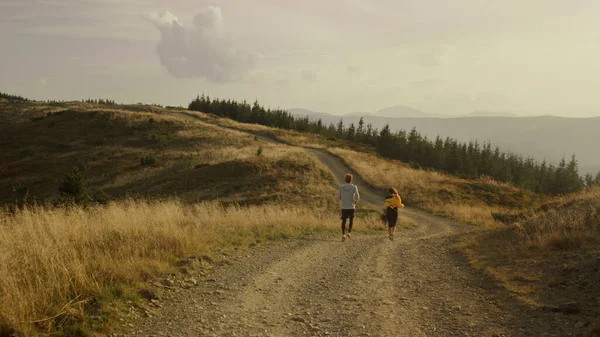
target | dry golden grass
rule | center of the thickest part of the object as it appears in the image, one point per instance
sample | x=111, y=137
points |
x=474, y=214
x=548, y=258
x=289, y=137
x=53, y=261
x=570, y=222
x=382, y=173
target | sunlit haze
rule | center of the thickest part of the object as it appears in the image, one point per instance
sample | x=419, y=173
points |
x=527, y=57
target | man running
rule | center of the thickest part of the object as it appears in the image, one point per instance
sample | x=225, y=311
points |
x=348, y=193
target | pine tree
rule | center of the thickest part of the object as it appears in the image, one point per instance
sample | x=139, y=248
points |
x=74, y=186
x=384, y=142
x=351, y=133
x=340, y=129
x=360, y=130
x=589, y=180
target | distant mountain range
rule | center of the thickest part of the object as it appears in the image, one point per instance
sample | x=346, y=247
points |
x=401, y=111
x=491, y=114
x=543, y=137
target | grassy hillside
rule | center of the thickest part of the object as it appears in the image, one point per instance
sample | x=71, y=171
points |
x=192, y=160
x=199, y=190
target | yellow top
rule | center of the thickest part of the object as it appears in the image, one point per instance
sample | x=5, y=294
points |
x=393, y=201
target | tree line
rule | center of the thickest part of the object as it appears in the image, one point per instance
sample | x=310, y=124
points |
x=12, y=97
x=99, y=101
x=465, y=159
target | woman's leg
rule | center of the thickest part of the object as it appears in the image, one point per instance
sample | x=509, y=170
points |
x=392, y=226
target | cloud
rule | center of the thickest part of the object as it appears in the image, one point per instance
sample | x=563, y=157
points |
x=202, y=49
x=309, y=75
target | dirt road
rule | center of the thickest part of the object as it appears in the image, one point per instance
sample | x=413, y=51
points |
x=418, y=285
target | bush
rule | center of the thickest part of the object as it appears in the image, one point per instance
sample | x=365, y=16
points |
x=148, y=161
x=259, y=151
x=74, y=186
x=415, y=166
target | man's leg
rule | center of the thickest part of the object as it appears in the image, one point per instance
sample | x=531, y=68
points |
x=343, y=226
x=350, y=225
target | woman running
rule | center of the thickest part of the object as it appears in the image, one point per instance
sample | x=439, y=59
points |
x=392, y=203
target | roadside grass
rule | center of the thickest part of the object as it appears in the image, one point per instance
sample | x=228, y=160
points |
x=566, y=224
x=58, y=264
x=549, y=256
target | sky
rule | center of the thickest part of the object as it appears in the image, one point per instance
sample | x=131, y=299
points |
x=528, y=57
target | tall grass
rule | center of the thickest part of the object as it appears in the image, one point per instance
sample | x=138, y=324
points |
x=573, y=222
x=384, y=173
x=54, y=260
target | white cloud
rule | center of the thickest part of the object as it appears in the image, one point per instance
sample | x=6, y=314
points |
x=202, y=49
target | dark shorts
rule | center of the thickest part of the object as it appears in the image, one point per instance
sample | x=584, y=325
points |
x=391, y=220
x=347, y=213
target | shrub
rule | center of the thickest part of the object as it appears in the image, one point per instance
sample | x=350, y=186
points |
x=148, y=161
x=415, y=166
x=74, y=186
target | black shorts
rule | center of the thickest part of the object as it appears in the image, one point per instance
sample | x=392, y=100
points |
x=392, y=220
x=347, y=213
